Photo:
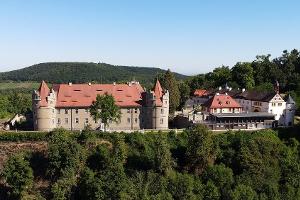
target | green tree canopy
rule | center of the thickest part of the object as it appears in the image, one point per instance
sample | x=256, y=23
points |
x=169, y=83
x=105, y=108
x=18, y=174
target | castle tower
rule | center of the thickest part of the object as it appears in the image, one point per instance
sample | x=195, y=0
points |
x=43, y=106
x=289, y=112
x=160, y=113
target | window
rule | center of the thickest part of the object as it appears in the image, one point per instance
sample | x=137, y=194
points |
x=58, y=120
x=66, y=111
x=66, y=120
x=161, y=121
x=76, y=111
x=76, y=120
x=162, y=111
x=135, y=120
x=128, y=120
x=58, y=111
x=86, y=120
x=87, y=110
x=128, y=110
x=279, y=104
x=135, y=110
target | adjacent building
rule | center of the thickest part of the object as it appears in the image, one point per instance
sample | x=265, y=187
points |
x=224, y=108
x=67, y=106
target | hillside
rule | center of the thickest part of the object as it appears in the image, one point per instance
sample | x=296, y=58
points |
x=83, y=72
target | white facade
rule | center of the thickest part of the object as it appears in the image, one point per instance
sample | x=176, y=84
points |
x=284, y=113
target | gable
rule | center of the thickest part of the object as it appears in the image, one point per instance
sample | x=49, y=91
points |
x=277, y=98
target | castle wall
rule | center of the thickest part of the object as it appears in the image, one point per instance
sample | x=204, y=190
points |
x=78, y=119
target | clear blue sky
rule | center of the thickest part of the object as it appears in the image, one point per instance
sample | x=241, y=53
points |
x=186, y=36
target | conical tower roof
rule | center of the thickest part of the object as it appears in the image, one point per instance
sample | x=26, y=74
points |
x=44, y=92
x=290, y=100
x=158, y=92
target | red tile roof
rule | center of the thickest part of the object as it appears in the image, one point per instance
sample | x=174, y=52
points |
x=199, y=92
x=158, y=92
x=222, y=101
x=82, y=95
x=43, y=92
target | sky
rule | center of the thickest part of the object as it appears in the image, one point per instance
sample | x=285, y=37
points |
x=186, y=36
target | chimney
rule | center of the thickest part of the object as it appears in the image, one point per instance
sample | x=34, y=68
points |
x=243, y=90
x=70, y=83
x=114, y=83
x=90, y=84
x=217, y=93
x=220, y=88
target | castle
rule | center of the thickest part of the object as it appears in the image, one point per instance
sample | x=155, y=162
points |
x=67, y=106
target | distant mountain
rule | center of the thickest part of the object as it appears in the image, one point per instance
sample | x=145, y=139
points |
x=63, y=72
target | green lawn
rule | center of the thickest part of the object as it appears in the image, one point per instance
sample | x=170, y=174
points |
x=14, y=85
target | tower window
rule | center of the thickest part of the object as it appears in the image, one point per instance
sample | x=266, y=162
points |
x=87, y=110
x=128, y=120
x=66, y=111
x=161, y=121
x=279, y=104
x=128, y=110
x=86, y=120
x=135, y=110
x=58, y=111
x=136, y=120
x=76, y=120
x=58, y=120
x=162, y=111
x=76, y=111
x=66, y=120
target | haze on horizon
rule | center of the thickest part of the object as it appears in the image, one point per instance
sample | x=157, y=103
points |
x=189, y=37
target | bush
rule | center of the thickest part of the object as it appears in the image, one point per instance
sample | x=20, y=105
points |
x=23, y=136
x=18, y=174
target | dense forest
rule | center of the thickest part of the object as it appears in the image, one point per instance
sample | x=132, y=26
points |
x=57, y=72
x=194, y=164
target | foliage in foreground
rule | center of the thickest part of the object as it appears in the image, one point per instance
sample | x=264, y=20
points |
x=194, y=164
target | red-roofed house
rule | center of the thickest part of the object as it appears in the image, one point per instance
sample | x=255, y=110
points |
x=67, y=106
x=222, y=103
x=200, y=93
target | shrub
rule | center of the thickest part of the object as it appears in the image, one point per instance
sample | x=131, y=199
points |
x=18, y=174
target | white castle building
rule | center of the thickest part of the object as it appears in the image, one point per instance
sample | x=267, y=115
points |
x=67, y=106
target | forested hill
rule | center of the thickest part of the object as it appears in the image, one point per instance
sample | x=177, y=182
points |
x=62, y=72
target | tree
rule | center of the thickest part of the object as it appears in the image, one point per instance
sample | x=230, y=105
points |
x=242, y=73
x=243, y=192
x=64, y=154
x=18, y=174
x=105, y=108
x=169, y=82
x=221, y=76
x=222, y=177
x=185, y=91
x=163, y=159
x=199, y=151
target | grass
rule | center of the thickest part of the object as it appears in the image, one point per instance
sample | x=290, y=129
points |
x=14, y=85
